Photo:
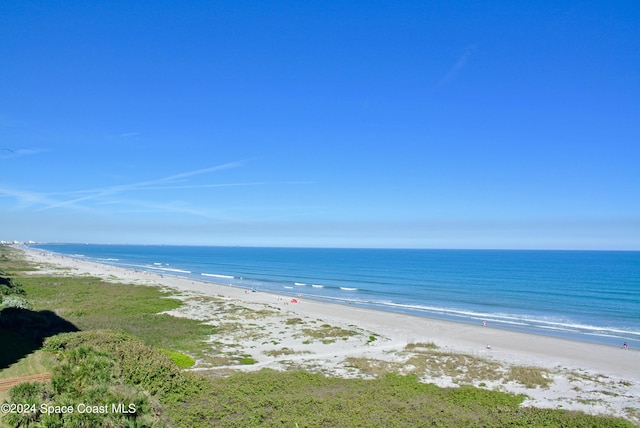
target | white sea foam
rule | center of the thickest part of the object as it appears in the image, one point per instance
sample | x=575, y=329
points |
x=317, y=286
x=591, y=329
x=498, y=318
x=214, y=275
x=548, y=327
x=438, y=310
x=346, y=301
x=546, y=323
x=173, y=270
x=348, y=289
x=299, y=283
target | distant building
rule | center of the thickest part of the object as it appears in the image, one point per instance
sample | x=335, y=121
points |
x=12, y=243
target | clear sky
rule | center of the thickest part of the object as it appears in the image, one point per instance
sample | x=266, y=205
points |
x=430, y=124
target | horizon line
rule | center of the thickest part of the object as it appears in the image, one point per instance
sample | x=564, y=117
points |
x=33, y=243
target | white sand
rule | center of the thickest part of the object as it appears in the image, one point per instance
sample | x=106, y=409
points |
x=593, y=378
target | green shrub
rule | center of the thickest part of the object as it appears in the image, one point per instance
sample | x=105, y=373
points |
x=14, y=301
x=87, y=374
x=138, y=364
x=181, y=360
x=246, y=360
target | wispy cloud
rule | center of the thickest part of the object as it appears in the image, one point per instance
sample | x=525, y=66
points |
x=130, y=134
x=137, y=206
x=168, y=186
x=30, y=198
x=459, y=65
x=201, y=171
x=25, y=197
x=95, y=200
x=155, y=184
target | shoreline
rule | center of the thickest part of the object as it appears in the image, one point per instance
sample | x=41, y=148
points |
x=455, y=325
x=560, y=320
x=563, y=358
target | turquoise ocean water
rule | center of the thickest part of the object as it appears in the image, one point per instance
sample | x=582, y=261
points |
x=590, y=296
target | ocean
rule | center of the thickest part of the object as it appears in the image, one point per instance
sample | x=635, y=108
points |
x=591, y=296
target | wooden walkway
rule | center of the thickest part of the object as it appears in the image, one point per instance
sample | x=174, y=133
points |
x=6, y=384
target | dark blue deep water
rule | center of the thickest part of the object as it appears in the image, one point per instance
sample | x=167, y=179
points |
x=583, y=295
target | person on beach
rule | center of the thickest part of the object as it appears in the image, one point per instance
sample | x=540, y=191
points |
x=625, y=345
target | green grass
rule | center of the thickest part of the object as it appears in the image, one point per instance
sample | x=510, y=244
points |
x=91, y=303
x=531, y=377
x=290, y=399
x=11, y=261
x=372, y=367
x=280, y=352
x=328, y=334
x=420, y=346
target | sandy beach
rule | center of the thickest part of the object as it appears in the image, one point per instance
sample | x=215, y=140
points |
x=277, y=331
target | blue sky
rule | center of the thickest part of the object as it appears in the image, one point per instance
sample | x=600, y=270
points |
x=439, y=124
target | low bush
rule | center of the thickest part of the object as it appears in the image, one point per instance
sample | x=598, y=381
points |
x=138, y=364
x=86, y=376
x=181, y=360
x=274, y=398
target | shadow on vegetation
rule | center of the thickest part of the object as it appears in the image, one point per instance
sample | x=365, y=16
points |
x=23, y=331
